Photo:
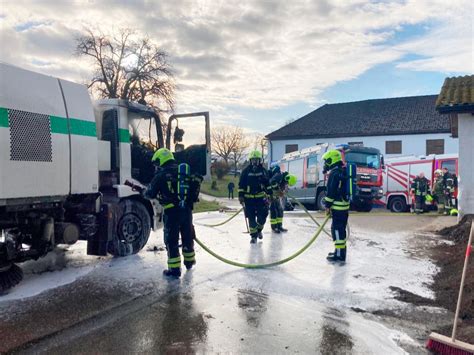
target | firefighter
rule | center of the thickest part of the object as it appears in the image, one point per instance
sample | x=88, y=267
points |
x=450, y=185
x=438, y=190
x=337, y=202
x=279, y=183
x=176, y=190
x=420, y=188
x=254, y=188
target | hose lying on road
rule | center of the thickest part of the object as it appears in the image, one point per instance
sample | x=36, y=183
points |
x=221, y=223
x=309, y=214
x=260, y=266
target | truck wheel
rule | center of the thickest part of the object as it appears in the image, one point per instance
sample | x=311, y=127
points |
x=398, y=204
x=133, y=229
x=10, y=276
x=320, y=201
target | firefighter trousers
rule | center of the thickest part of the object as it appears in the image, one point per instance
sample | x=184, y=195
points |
x=178, y=221
x=256, y=210
x=276, y=214
x=419, y=203
x=338, y=232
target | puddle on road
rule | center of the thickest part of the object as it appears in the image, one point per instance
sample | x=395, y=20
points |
x=238, y=321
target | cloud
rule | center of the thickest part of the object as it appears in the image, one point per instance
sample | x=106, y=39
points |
x=251, y=53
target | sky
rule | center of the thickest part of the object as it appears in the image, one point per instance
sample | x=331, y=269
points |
x=257, y=63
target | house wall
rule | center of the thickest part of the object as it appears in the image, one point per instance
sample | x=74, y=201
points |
x=466, y=164
x=411, y=144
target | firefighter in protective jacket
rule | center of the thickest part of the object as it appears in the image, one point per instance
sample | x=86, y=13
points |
x=420, y=188
x=438, y=190
x=177, y=190
x=337, y=202
x=279, y=183
x=450, y=186
x=254, y=188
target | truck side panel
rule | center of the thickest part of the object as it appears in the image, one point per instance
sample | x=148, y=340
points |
x=84, y=144
x=34, y=152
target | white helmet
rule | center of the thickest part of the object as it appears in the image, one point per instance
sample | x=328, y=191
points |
x=438, y=172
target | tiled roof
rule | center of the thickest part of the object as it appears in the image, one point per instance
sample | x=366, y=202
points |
x=401, y=115
x=457, y=95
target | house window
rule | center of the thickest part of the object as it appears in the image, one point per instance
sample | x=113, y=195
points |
x=393, y=147
x=291, y=148
x=434, y=146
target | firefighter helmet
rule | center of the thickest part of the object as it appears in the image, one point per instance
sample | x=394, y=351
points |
x=291, y=179
x=162, y=155
x=438, y=172
x=275, y=169
x=429, y=198
x=332, y=157
x=453, y=212
x=255, y=154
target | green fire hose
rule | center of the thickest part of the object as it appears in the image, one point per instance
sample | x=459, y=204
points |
x=260, y=266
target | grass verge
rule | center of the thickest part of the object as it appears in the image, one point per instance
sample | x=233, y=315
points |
x=206, y=206
x=221, y=186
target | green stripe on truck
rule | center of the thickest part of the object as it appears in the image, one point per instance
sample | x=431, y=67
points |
x=3, y=117
x=78, y=127
x=124, y=135
x=83, y=128
x=58, y=125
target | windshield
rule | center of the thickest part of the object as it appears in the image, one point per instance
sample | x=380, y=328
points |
x=369, y=160
x=143, y=130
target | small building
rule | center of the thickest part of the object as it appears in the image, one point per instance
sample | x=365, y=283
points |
x=456, y=100
x=396, y=126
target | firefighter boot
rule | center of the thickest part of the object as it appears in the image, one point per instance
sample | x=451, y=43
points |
x=333, y=258
x=260, y=235
x=253, y=238
x=281, y=229
x=173, y=272
x=189, y=264
x=275, y=230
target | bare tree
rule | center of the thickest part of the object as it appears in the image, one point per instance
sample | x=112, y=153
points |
x=128, y=67
x=259, y=142
x=229, y=143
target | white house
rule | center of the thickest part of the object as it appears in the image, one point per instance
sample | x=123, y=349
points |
x=457, y=100
x=396, y=126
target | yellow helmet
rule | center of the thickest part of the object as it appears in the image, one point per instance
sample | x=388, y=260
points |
x=291, y=179
x=453, y=212
x=255, y=154
x=331, y=157
x=162, y=155
x=429, y=198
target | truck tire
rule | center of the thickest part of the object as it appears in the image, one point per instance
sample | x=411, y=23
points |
x=132, y=230
x=10, y=276
x=398, y=204
x=320, y=201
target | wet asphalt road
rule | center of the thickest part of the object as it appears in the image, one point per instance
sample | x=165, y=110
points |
x=73, y=303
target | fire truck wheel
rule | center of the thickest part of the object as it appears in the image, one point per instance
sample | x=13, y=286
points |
x=398, y=204
x=320, y=201
x=133, y=229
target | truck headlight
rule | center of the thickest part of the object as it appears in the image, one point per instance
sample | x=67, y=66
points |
x=380, y=191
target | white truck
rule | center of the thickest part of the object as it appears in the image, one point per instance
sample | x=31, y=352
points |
x=64, y=162
x=400, y=172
